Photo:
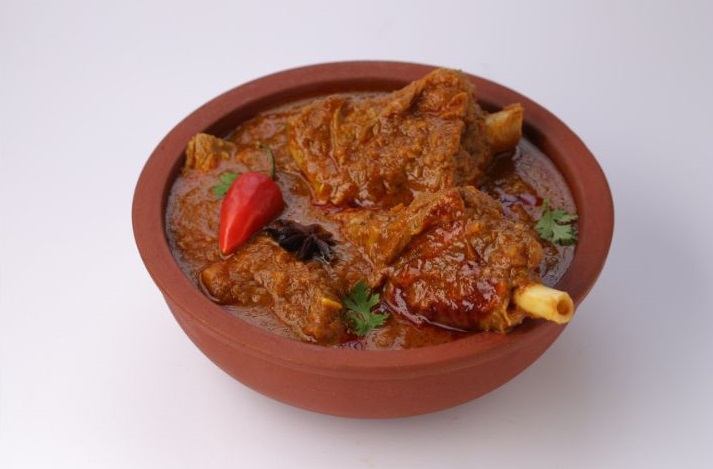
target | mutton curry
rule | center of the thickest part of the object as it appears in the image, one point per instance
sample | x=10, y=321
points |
x=376, y=220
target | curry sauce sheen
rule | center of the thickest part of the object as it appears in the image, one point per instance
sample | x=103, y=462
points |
x=270, y=288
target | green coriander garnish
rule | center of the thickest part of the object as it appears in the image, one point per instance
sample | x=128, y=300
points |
x=226, y=179
x=271, y=155
x=556, y=225
x=359, y=302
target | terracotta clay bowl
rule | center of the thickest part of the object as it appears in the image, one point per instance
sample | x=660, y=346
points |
x=350, y=382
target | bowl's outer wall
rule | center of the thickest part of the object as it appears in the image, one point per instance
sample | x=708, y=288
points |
x=361, y=395
x=346, y=382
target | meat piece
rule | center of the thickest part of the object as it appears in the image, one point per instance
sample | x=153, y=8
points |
x=204, y=151
x=451, y=258
x=379, y=151
x=261, y=273
x=383, y=235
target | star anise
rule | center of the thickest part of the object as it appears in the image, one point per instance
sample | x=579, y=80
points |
x=307, y=242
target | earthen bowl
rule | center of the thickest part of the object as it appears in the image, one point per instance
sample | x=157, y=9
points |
x=355, y=383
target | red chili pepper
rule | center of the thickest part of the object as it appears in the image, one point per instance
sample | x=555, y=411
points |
x=252, y=200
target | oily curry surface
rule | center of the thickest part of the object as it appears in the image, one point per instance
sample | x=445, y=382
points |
x=407, y=204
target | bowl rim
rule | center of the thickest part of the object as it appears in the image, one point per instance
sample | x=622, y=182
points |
x=224, y=112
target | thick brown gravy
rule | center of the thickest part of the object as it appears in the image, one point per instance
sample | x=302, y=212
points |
x=519, y=180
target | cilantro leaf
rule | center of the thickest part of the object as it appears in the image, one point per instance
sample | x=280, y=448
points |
x=556, y=225
x=266, y=148
x=359, y=301
x=226, y=179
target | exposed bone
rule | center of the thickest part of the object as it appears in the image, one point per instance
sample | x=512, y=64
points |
x=540, y=301
x=504, y=127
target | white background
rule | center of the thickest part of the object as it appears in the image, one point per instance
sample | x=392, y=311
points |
x=95, y=372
